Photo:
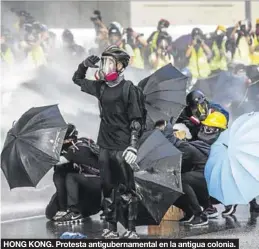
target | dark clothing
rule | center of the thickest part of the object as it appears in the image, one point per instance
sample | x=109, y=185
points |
x=117, y=180
x=115, y=171
x=116, y=116
x=194, y=157
x=59, y=179
x=82, y=155
x=195, y=154
x=70, y=180
x=91, y=185
x=193, y=127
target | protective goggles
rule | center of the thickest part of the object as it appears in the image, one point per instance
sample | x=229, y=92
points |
x=108, y=65
x=200, y=110
x=209, y=130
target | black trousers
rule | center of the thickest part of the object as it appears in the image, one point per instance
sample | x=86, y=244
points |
x=196, y=193
x=118, y=187
x=87, y=198
x=91, y=185
x=59, y=179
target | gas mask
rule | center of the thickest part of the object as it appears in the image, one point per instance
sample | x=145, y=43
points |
x=200, y=110
x=208, y=134
x=108, y=69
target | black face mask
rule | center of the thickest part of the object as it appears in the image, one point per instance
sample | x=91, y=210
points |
x=208, y=138
x=66, y=146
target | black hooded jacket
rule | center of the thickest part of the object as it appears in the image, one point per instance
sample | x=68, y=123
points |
x=195, y=154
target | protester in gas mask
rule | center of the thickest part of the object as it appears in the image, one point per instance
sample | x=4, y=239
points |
x=197, y=110
x=255, y=45
x=199, y=55
x=194, y=157
x=162, y=55
x=219, y=59
x=162, y=26
x=243, y=42
x=121, y=126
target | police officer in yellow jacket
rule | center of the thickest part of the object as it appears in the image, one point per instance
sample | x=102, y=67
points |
x=219, y=59
x=199, y=55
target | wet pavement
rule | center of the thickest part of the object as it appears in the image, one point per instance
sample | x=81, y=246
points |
x=243, y=225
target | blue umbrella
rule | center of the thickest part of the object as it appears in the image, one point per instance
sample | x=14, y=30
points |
x=232, y=170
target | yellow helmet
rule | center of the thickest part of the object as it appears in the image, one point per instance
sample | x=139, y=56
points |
x=216, y=119
x=257, y=21
x=222, y=28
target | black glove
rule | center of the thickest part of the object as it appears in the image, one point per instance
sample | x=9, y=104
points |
x=91, y=61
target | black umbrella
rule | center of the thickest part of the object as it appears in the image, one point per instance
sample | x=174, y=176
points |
x=165, y=92
x=33, y=146
x=207, y=85
x=159, y=179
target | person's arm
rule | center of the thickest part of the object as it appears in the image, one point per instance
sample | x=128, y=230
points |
x=62, y=160
x=233, y=34
x=136, y=125
x=87, y=86
x=189, y=50
x=207, y=50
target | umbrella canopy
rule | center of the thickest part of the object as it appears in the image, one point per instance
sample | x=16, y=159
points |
x=182, y=42
x=159, y=179
x=33, y=146
x=232, y=170
x=165, y=92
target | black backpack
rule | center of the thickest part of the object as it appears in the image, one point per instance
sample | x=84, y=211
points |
x=141, y=101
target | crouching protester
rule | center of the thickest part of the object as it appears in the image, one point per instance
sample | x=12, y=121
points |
x=77, y=181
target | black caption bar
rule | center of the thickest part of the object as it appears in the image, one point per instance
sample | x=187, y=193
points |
x=140, y=243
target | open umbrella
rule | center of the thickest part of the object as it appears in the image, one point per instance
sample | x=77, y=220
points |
x=232, y=170
x=33, y=146
x=165, y=92
x=159, y=179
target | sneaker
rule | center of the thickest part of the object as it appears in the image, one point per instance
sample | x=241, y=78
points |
x=200, y=220
x=211, y=212
x=59, y=215
x=132, y=235
x=105, y=232
x=229, y=210
x=70, y=217
x=186, y=219
x=112, y=235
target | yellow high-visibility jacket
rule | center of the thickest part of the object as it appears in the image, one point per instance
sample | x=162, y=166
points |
x=8, y=57
x=255, y=55
x=198, y=64
x=242, y=54
x=37, y=56
x=219, y=61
